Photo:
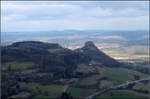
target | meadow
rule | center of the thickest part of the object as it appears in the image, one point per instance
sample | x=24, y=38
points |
x=43, y=91
x=19, y=65
x=123, y=94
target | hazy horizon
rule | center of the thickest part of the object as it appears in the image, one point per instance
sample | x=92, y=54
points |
x=71, y=30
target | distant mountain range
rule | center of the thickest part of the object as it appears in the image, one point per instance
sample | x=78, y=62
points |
x=61, y=37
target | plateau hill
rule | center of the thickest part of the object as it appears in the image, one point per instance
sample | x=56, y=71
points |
x=51, y=57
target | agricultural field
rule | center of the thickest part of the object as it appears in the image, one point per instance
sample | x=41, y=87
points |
x=118, y=75
x=52, y=91
x=90, y=80
x=123, y=94
x=19, y=65
x=43, y=91
x=77, y=92
x=84, y=68
x=114, y=75
x=127, y=52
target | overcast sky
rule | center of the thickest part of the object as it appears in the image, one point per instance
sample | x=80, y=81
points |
x=81, y=15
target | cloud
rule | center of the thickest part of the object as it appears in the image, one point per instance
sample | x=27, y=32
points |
x=12, y=17
x=35, y=16
x=12, y=6
x=98, y=11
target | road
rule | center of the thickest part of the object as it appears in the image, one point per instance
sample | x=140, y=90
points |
x=115, y=87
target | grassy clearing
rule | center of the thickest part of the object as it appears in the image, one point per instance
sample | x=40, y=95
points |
x=53, y=90
x=105, y=83
x=19, y=65
x=118, y=75
x=122, y=94
x=102, y=70
x=91, y=80
x=114, y=75
x=84, y=68
x=77, y=92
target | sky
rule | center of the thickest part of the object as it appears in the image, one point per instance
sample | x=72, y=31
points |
x=74, y=15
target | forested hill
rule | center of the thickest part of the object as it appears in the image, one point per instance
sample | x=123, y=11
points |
x=53, y=57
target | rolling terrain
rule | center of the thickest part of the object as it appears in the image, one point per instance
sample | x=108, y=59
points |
x=34, y=69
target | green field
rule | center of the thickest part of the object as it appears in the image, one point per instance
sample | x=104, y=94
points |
x=19, y=65
x=52, y=90
x=122, y=94
x=118, y=75
x=91, y=80
x=84, y=68
x=114, y=75
x=77, y=92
